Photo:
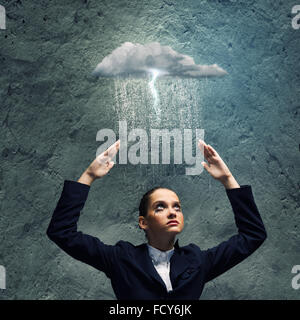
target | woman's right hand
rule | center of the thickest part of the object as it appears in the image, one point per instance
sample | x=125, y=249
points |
x=101, y=165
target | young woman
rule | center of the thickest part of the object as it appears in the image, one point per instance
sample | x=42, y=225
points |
x=159, y=269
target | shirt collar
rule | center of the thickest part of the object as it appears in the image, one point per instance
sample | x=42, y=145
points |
x=159, y=256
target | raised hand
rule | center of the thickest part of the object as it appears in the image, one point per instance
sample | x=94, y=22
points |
x=101, y=165
x=215, y=166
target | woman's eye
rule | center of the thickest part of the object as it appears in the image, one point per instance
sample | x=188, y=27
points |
x=160, y=207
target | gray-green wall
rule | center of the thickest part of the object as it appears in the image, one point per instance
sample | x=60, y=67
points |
x=51, y=109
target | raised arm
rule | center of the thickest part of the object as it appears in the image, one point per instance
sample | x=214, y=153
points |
x=216, y=167
x=251, y=231
x=100, y=166
x=62, y=229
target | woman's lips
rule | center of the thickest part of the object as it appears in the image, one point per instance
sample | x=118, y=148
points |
x=173, y=222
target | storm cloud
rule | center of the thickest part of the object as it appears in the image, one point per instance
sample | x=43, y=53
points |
x=133, y=59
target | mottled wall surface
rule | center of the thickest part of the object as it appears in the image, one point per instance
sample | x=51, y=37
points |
x=51, y=109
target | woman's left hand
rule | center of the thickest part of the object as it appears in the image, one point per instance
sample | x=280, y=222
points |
x=216, y=167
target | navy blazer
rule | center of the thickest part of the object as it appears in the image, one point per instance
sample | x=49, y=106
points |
x=129, y=267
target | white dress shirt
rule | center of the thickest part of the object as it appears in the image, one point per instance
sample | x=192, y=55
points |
x=161, y=262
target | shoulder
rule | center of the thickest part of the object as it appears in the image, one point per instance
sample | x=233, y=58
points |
x=190, y=250
x=129, y=247
x=130, y=252
x=188, y=247
x=125, y=245
x=191, y=254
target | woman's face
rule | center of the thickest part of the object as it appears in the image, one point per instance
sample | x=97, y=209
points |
x=164, y=213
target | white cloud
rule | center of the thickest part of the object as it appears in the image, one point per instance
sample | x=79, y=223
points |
x=138, y=60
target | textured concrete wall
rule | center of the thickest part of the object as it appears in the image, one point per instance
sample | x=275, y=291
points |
x=51, y=109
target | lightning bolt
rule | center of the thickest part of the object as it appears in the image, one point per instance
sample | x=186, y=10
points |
x=155, y=74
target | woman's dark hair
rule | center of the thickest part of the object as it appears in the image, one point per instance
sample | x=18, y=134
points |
x=143, y=208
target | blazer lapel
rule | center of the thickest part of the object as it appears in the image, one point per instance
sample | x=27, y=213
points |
x=146, y=264
x=178, y=264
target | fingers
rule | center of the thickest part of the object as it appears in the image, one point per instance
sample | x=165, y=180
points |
x=201, y=144
x=108, y=154
x=113, y=149
x=204, y=149
x=207, y=149
x=205, y=165
x=111, y=164
x=106, y=161
x=116, y=145
x=103, y=159
x=212, y=151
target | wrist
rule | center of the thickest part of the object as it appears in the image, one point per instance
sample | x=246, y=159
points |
x=229, y=182
x=86, y=178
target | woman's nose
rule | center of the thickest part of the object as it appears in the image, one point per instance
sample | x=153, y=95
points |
x=172, y=213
